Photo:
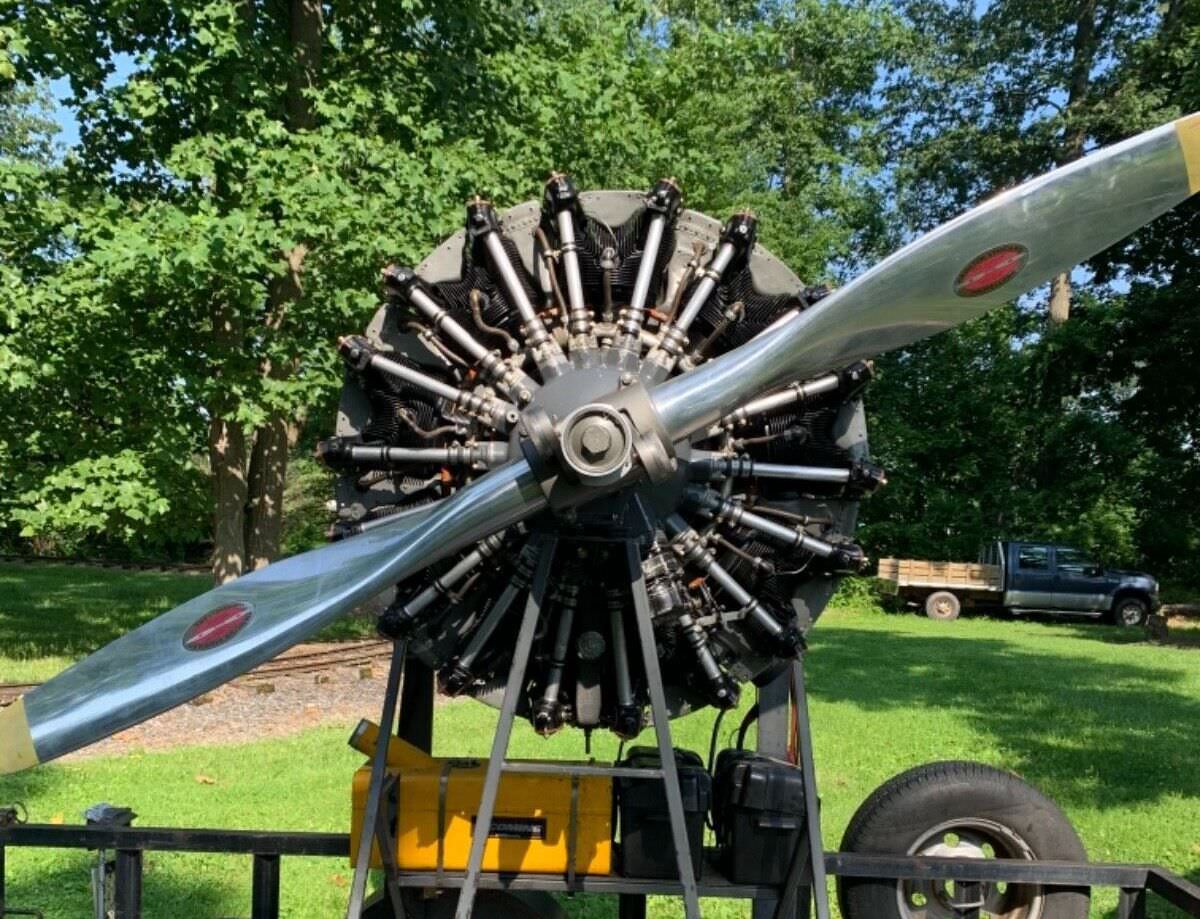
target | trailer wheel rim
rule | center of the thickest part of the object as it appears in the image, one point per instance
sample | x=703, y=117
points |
x=971, y=837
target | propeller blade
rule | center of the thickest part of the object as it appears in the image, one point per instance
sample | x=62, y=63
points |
x=237, y=626
x=1007, y=246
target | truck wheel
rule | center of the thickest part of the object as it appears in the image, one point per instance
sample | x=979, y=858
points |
x=1130, y=612
x=959, y=810
x=941, y=604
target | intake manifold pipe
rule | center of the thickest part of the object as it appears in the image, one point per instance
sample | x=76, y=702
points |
x=484, y=225
x=460, y=672
x=860, y=477
x=547, y=712
x=628, y=717
x=401, y=618
x=663, y=202
x=359, y=354
x=785, y=640
x=843, y=557
x=737, y=239
x=403, y=285
x=560, y=204
x=723, y=692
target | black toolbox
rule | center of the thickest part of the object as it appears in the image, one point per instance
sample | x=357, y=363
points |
x=759, y=816
x=647, y=847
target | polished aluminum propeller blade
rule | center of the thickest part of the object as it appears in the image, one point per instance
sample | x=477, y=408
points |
x=1007, y=246
x=237, y=626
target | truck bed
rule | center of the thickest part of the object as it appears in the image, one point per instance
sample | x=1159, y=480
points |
x=914, y=572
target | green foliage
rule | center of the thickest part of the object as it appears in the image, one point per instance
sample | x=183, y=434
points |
x=997, y=430
x=305, y=515
x=174, y=217
x=26, y=127
x=116, y=498
x=1003, y=91
x=164, y=236
x=861, y=594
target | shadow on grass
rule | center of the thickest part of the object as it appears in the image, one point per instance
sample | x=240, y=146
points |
x=56, y=610
x=167, y=890
x=1087, y=733
x=1187, y=638
x=30, y=786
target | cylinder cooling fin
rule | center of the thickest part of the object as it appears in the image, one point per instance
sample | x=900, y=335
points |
x=530, y=316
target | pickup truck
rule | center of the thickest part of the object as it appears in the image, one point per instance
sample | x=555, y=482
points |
x=1024, y=577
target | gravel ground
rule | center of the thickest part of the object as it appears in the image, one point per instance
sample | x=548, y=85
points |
x=262, y=705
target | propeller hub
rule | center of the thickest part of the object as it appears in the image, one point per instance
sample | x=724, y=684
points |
x=596, y=444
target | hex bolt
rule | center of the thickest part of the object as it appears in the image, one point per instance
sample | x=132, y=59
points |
x=595, y=441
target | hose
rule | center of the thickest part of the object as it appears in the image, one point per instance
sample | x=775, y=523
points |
x=745, y=726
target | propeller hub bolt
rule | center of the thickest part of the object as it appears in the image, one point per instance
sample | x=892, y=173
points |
x=595, y=441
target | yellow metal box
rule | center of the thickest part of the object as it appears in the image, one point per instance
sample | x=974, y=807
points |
x=437, y=799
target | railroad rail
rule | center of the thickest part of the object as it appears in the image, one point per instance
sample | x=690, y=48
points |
x=288, y=664
x=84, y=562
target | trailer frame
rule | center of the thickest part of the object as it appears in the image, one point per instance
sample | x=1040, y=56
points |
x=266, y=848
x=408, y=713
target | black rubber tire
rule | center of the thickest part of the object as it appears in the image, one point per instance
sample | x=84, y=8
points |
x=1122, y=612
x=902, y=810
x=943, y=605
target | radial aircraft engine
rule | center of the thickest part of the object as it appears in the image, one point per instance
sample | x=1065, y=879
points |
x=639, y=388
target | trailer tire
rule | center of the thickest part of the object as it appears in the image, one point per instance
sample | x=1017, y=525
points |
x=943, y=605
x=951, y=807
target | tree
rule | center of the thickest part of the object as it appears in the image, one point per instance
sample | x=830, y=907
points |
x=1006, y=92
x=1088, y=430
x=246, y=166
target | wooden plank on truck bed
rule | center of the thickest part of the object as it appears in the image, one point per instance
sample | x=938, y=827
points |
x=915, y=572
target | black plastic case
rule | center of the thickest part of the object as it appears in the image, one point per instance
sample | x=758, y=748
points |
x=647, y=848
x=759, y=816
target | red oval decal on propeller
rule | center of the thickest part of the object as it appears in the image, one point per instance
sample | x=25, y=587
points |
x=217, y=627
x=991, y=270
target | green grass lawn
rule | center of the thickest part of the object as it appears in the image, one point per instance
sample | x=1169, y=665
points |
x=1108, y=726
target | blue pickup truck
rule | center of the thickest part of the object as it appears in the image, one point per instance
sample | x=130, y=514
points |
x=1024, y=577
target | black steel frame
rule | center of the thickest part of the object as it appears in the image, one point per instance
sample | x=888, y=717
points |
x=1136, y=883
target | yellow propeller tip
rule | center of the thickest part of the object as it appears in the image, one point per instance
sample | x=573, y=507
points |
x=16, y=743
x=1188, y=130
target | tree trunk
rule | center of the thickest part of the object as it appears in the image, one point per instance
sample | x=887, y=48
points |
x=264, y=505
x=1083, y=55
x=305, y=35
x=226, y=455
x=268, y=462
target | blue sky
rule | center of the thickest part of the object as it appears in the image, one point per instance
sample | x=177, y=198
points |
x=60, y=89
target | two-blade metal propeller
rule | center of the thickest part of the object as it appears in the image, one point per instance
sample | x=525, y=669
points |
x=1009, y=245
